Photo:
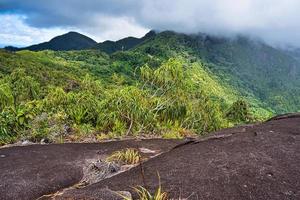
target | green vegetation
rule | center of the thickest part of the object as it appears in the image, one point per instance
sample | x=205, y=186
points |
x=266, y=77
x=144, y=194
x=123, y=44
x=126, y=156
x=239, y=112
x=73, y=95
x=169, y=85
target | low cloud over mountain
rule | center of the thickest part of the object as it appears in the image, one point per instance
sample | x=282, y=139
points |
x=274, y=21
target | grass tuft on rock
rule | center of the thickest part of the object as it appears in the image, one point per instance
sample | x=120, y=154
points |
x=127, y=156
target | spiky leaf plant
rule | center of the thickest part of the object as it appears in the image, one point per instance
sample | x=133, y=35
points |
x=128, y=156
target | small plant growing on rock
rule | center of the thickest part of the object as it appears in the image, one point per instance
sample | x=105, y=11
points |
x=144, y=194
x=128, y=156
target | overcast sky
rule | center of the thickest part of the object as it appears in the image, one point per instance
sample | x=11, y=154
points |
x=24, y=22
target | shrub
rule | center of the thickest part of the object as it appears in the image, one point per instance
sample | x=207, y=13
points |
x=56, y=99
x=49, y=127
x=6, y=97
x=23, y=87
x=125, y=111
x=165, y=98
x=7, y=134
x=239, y=112
x=83, y=130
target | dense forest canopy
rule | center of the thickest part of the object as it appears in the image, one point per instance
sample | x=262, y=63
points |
x=168, y=85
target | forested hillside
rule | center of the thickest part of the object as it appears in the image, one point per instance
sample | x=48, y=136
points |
x=253, y=68
x=73, y=95
x=123, y=44
x=168, y=85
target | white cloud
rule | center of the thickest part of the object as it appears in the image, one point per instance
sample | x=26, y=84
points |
x=15, y=32
x=275, y=21
x=103, y=27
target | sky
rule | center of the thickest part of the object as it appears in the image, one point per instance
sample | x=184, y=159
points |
x=25, y=22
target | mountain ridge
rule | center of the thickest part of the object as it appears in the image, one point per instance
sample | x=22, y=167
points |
x=176, y=83
x=77, y=41
x=68, y=41
x=252, y=67
x=123, y=44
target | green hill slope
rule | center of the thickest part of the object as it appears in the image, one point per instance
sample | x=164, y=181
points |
x=123, y=44
x=72, y=95
x=169, y=85
x=256, y=70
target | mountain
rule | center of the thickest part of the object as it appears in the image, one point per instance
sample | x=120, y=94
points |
x=294, y=52
x=66, y=42
x=255, y=69
x=123, y=44
x=77, y=41
x=168, y=84
x=259, y=72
